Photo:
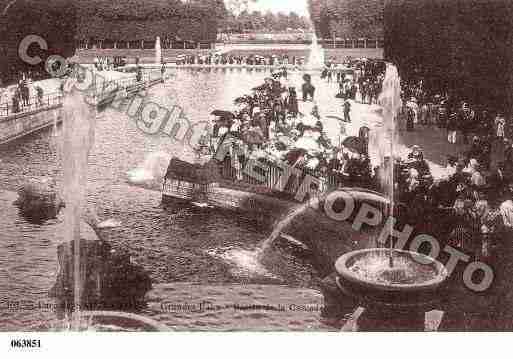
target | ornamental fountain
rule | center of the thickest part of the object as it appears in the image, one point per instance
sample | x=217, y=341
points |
x=158, y=51
x=397, y=287
x=316, y=59
x=94, y=281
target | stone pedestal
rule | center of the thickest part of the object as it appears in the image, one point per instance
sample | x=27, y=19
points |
x=105, y=279
x=352, y=314
x=391, y=320
x=38, y=199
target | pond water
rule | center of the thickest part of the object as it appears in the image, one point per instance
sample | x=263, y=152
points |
x=173, y=244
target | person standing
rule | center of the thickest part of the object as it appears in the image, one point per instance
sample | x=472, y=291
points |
x=410, y=120
x=423, y=114
x=263, y=121
x=441, y=117
x=40, y=94
x=347, y=111
x=363, y=91
x=163, y=67
x=500, y=126
x=452, y=128
x=465, y=121
x=308, y=89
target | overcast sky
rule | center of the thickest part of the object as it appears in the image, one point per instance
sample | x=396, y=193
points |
x=298, y=6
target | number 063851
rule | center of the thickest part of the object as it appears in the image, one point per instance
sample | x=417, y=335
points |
x=25, y=343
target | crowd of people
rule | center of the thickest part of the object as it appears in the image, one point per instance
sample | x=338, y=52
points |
x=276, y=124
x=107, y=63
x=470, y=204
x=230, y=59
x=460, y=118
x=472, y=200
x=467, y=205
x=23, y=95
x=359, y=76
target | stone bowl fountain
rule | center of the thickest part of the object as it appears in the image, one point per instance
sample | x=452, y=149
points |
x=391, y=278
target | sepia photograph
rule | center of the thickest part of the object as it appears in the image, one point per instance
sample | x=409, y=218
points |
x=256, y=166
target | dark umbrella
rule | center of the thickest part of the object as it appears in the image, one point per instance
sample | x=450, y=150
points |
x=337, y=118
x=294, y=155
x=355, y=144
x=243, y=99
x=223, y=114
x=260, y=88
x=253, y=136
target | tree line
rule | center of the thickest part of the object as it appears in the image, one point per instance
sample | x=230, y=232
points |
x=256, y=21
x=348, y=18
x=463, y=48
x=126, y=20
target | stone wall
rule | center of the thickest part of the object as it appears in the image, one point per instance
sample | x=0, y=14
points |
x=16, y=126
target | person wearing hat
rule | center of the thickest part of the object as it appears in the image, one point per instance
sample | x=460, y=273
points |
x=307, y=88
x=464, y=223
x=498, y=180
x=410, y=119
x=262, y=120
x=347, y=111
x=278, y=114
x=292, y=103
x=441, y=115
x=465, y=120
x=452, y=127
x=500, y=125
x=475, y=148
x=416, y=161
x=477, y=180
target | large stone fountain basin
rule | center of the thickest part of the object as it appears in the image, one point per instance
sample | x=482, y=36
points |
x=106, y=321
x=367, y=290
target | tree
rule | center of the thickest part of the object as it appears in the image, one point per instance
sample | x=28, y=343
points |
x=238, y=6
x=270, y=20
x=461, y=47
x=348, y=18
x=282, y=21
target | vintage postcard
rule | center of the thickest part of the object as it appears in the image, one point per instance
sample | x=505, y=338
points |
x=255, y=166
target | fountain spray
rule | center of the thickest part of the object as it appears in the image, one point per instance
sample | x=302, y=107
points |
x=158, y=51
x=79, y=121
x=390, y=101
x=316, y=59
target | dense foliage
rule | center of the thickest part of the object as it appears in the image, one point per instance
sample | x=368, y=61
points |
x=348, y=18
x=257, y=21
x=53, y=20
x=62, y=22
x=139, y=20
x=461, y=47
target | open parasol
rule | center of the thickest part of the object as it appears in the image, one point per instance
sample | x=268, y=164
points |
x=286, y=140
x=294, y=155
x=260, y=88
x=355, y=144
x=308, y=144
x=336, y=118
x=253, y=136
x=243, y=100
x=309, y=121
x=223, y=114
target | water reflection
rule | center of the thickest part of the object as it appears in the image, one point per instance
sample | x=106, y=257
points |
x=173, y=244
